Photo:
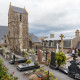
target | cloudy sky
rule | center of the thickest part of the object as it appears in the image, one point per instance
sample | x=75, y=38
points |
x=47, y=16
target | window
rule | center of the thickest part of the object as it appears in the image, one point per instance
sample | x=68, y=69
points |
x=20, y=17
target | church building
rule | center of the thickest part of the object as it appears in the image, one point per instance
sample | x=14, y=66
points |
x=17, y=28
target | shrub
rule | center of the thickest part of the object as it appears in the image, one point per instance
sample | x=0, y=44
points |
x=41, y=68
x=79, y=52
x=28, y=62
x=48, y=62
x=36, y=63
x=60, y=58
x=32, y=52
x=50, y=74
x=44, y=77
x=4, y=74
x=34, y=70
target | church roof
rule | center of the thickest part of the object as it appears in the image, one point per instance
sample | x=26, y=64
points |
x=3, y=31
x=34, y=38
x=19, y=10
x=58, y=38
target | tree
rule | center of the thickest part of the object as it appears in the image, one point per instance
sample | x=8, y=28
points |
x=60, y=58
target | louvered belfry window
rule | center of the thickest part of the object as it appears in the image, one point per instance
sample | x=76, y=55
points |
x=20, y=17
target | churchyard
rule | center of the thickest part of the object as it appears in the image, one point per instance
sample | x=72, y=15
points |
x=44, y=65
x=31, y=64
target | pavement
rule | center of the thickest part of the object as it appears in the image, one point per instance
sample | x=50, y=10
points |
x=21, y=76
x=59, y=75
x=12, y=68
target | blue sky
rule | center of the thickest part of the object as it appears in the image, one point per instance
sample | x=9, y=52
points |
x=47, y=16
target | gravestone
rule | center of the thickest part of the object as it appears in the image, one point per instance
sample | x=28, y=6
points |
x=61, y=42
x=1, y=51
x=52, y=58
x=48, y=55
x=74, y=68
x=33, y=57
x=39, y=56
x=52, y=63
x=14, y=57
x=57, y=50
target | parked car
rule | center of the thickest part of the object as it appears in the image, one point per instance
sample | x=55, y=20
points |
x=24, y=67
x=18, y=61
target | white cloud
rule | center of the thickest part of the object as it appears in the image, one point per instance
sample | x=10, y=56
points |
x=46, y=16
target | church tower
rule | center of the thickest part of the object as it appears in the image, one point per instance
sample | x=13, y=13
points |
x=77, y=33
x=17, y=27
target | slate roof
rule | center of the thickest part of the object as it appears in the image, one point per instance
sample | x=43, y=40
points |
x=3, y=31
x=53, y=39
x=19, y=10
x=34, y=38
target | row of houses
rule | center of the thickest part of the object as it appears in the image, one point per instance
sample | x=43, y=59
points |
x=68, y=42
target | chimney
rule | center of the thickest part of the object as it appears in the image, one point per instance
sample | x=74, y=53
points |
x=51, y=35
x=77, y=33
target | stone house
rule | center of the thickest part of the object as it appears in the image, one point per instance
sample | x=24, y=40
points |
x=34, y=42
x=68, y=43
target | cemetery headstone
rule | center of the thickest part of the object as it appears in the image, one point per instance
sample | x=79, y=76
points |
x=39, y=56
x=74, y=68
x=14, y=57
x=52, y=63
x=48, y=55
x=62, y=42
x=36, y=50
x=57, y=50
x=1, y=51
x=33, y=57
x=52, y=58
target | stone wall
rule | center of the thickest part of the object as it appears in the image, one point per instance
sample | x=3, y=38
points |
x=65, y=50
x=38, y=44
x=75, y=41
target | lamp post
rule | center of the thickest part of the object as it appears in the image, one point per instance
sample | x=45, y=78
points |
x=62, y=42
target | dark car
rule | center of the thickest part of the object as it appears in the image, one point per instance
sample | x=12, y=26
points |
x=18, y=61
x=24, y=67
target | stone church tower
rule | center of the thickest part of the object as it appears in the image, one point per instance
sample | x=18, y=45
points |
x=17, y=27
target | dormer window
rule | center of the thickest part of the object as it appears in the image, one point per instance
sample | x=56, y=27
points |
x=20, y=17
